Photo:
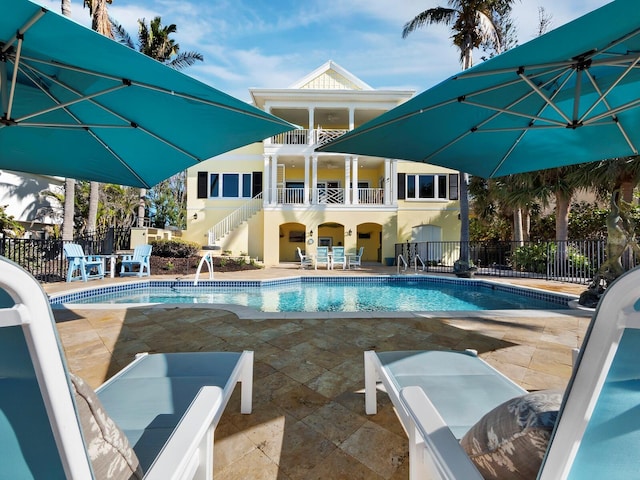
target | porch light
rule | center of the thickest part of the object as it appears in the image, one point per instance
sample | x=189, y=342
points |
x=195, y=216
x=311, y=233
x=350, y=232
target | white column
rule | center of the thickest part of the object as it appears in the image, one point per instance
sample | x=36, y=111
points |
x=351, y=118
x=266, y=176
x=354, y=179
x=274, y=179
x=347, y=180
x=314, y=178
x=306, y=179
x=394, y=182
x=311, y=126
x=387, y=181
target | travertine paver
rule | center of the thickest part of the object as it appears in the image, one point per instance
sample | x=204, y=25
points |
x=308, y=420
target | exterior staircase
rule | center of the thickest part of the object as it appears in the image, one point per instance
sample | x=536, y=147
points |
x=235, y=219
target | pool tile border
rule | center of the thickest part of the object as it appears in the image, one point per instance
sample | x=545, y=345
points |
x=553, y=297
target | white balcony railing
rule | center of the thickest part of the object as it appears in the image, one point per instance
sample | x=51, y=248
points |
x=304, y=136
x=333, y=196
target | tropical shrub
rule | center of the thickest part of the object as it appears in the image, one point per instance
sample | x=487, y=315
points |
x=175, y=248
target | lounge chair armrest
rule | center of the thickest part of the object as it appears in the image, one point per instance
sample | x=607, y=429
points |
x=189, y=451
x=433, y=450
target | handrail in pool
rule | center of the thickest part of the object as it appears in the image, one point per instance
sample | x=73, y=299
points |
x=209, y=261
x=406, y=265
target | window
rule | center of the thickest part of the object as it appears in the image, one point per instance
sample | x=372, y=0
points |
x=230, y=185
x=426, y=187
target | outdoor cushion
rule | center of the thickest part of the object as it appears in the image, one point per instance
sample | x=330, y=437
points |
x=109, y=451
x=511, y=440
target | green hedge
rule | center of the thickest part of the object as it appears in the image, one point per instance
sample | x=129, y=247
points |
x=174, y=248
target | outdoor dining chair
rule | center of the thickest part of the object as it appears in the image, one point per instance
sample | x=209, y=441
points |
x=355, y=260
x=322, y=257
x=338, y=257
x=82, y=267
x=305, y=260
x=140, y=258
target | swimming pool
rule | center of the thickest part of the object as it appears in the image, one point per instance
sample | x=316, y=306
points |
x=326, y=294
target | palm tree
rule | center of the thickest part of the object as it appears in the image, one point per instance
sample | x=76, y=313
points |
x=472, y=24
x=101, y=24
x=69, y=183
x=154, y=42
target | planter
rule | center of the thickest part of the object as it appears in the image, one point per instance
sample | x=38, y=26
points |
x=389, y=261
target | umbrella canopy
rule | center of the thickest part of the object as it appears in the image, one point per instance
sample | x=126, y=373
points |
x=77, y=104
x=567, y=97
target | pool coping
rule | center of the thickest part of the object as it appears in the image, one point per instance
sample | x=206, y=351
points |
x=65, y=299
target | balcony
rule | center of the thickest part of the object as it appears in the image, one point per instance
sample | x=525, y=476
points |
x=304, y=136
x=330, y=196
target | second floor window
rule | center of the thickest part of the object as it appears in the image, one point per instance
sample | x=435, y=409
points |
x=426, y=187
x=230, y=185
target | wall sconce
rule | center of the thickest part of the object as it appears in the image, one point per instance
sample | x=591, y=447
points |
x=195, y=216
x=350, y=232
x=311, y=233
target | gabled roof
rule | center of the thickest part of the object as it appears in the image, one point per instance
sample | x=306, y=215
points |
x=331, y=76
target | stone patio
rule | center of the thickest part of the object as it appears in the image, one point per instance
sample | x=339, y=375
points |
x=308, y=420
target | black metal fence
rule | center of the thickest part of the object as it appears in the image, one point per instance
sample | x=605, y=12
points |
x=574, y=261
x=44, y=258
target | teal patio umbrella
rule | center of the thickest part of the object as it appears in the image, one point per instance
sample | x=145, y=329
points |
x=570, y=96
x=77, y=104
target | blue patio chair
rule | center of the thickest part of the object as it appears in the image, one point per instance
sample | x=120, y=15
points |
x=53, y=426
x=597, y=430
x=338, y=257
x=140, y=259
x=82, y=267
x=322, y=257
x=355, y=260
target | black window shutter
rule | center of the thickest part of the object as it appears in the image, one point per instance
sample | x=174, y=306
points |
x=202, y=184
x=453, y=186
x=256, y=187
x=401, y=185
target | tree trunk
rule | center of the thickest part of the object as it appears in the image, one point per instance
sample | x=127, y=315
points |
x=526, y=225
x=94, y=197
x=563, y=205
x=464, y=218
x=69, y=209
x=518, y=235
x=141, y=207
x=66, y=7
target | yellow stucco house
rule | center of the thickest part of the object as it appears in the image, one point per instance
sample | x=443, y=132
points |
x=268, y=199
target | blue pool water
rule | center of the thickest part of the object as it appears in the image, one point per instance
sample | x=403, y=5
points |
x=350, y=296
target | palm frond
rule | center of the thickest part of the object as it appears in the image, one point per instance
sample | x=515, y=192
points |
x=429, y=17
x=185, y=59
x=120, y=34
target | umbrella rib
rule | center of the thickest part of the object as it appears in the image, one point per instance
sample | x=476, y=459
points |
x=516, y=114
x=602, y=96
x=166, y=91
x=130, y=123
x=615, y=118
x=21, y=31
x=72, y=102
x=536, y=89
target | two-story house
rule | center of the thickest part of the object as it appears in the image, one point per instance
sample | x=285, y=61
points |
x=267, y=199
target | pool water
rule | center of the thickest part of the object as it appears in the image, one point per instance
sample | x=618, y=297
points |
x=398, y=296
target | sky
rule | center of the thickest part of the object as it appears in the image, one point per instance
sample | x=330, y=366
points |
x=274, y=43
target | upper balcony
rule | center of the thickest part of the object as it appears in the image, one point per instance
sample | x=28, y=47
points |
x=303, y=136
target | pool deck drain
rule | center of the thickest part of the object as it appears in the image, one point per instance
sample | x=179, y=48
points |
x=308, y=419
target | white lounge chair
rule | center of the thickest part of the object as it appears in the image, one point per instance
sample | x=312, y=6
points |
x=355, y=259
x=597, y=432
x=305, y=260
x=140, y=259
x=82, y=267
x=338, y=257
x=167, y=404
x=322, y=257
